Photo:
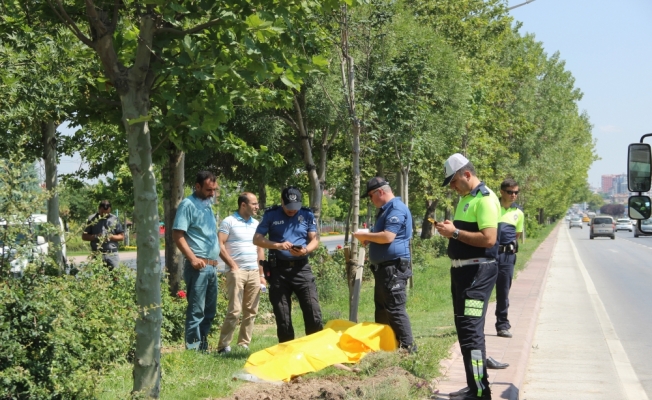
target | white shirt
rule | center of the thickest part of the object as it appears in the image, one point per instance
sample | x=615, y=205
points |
x=239, y=243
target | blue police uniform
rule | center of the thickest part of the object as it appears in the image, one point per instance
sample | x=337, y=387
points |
x=390, y=265
x=291, y=274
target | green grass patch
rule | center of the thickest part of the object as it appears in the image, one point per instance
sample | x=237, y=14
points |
x=190, y=375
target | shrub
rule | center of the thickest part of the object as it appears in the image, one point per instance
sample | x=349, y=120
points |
x=424, y=251
x=330, y=272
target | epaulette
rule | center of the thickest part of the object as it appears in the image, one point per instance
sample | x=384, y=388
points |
x=484, y=190
x=514, y=205
x=274, y=207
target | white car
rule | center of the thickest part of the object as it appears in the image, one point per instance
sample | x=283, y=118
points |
x=20, y=254
x=624, y=224
x=575, y=221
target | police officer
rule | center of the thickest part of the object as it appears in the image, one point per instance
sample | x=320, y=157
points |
x=511, y=228
x=292, y=231
x=104, y=231
x=473, y=249
x=389, y=254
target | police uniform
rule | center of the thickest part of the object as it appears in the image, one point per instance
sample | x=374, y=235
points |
x=291, y=274
x=102, y=226
x=390, y=266
x=511, y=223
x=473, y=275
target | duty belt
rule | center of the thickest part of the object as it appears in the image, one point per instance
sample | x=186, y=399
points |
x=375, y=267
x=300, y=262
x=471, y=261
x=506, y=248
x=209, y=262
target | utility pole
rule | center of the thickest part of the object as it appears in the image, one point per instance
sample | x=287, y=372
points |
x=518, y=5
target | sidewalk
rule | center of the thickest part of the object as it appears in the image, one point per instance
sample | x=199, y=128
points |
x=524, y=304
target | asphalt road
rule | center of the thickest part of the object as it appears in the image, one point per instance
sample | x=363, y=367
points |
x=129, y=258
x=621, y=270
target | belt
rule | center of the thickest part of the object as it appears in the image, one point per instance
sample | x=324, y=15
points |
x=300, y=262
x=383, y=264
x=209, y=262
x=506, y=248
x=471, y=261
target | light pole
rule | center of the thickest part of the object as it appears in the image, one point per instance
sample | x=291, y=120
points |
x=518, y=5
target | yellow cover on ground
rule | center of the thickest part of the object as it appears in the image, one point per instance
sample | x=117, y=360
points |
x=339, y=342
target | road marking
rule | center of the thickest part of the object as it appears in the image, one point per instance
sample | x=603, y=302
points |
x=628, y=377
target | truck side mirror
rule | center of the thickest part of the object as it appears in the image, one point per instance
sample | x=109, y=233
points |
x=639, y=159
x=639, y=207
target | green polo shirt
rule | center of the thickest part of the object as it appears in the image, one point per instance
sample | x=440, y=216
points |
x=477, y=210
x=511, y=220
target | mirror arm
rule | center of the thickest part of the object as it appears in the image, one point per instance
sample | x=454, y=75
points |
x=644, y=136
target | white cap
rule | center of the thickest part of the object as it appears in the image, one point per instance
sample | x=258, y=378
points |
x=452, y=165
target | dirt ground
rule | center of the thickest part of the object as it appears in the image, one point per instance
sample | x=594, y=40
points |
x=389, y=383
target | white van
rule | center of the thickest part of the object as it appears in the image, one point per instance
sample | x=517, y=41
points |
x=39, y=249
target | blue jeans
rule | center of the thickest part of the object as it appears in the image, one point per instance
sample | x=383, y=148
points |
x=201, y=292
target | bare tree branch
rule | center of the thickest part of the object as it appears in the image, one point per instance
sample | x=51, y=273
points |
x=94, y=17
x=160, y=143
x=197, y=28
x=65, y=18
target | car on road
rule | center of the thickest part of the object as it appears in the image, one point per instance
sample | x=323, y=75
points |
x=575, y=222
x=646, y=228
x=624, y=224
x=586, y=219
x=602, y=226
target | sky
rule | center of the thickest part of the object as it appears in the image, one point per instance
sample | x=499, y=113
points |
x=606, y=46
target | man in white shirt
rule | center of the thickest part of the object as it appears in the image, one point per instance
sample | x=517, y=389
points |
x=244, y=276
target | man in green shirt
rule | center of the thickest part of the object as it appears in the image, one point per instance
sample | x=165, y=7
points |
x=473, y=250
x=511, y=228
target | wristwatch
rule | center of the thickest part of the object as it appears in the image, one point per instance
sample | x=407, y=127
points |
x=456, y=234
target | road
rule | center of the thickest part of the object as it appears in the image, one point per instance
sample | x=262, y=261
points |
x=593, y=334
x=129, y=258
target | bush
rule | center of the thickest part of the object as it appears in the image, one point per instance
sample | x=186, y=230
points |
x=330, y=272
x=56, y=332
x=424, y=251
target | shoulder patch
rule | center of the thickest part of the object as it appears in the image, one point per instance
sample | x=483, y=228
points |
x=484, y=190
x=270, y=208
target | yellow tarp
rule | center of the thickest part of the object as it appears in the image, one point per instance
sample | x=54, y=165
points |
x=339, y=342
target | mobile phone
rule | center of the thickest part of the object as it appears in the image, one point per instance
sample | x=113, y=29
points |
x=297, y=247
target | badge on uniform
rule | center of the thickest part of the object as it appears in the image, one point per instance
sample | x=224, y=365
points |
x=515, y=216
x=466, y=206
x=393, y=219
x=300, y=216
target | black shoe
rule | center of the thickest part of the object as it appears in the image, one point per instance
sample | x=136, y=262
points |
x=504, y=333
x=493, y=364
x=461, y=392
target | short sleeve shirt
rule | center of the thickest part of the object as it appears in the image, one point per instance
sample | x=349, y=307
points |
x=511, y=222
x=393, y=217
x=477, y=210
x=239, y=243
x=103, y=226
x=282, y=228
x=195, y=218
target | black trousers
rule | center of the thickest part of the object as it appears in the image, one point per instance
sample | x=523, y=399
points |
x=284, y=281
x=390, y=298
x=506, y=263
x=471, y=288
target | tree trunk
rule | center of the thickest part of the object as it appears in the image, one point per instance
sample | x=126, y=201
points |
x=347, y=227
x=50, y=159
x=262, y=195
x=173, y=182
x=427, y=227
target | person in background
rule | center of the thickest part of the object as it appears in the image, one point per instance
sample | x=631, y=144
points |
x=195, y=234
x=244, y=277
x=104, y=231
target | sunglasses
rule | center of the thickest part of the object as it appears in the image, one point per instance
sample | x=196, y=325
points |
x=511, y=191
x=372, y=193
x=105, y=206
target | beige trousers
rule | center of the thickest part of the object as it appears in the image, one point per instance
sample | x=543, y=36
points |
x=243, y=291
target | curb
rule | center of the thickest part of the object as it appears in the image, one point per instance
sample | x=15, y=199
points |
x=526, y=295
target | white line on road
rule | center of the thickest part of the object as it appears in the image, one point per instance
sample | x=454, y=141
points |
x=628, y=377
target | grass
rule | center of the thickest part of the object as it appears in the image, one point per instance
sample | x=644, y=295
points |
x=191, y=375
